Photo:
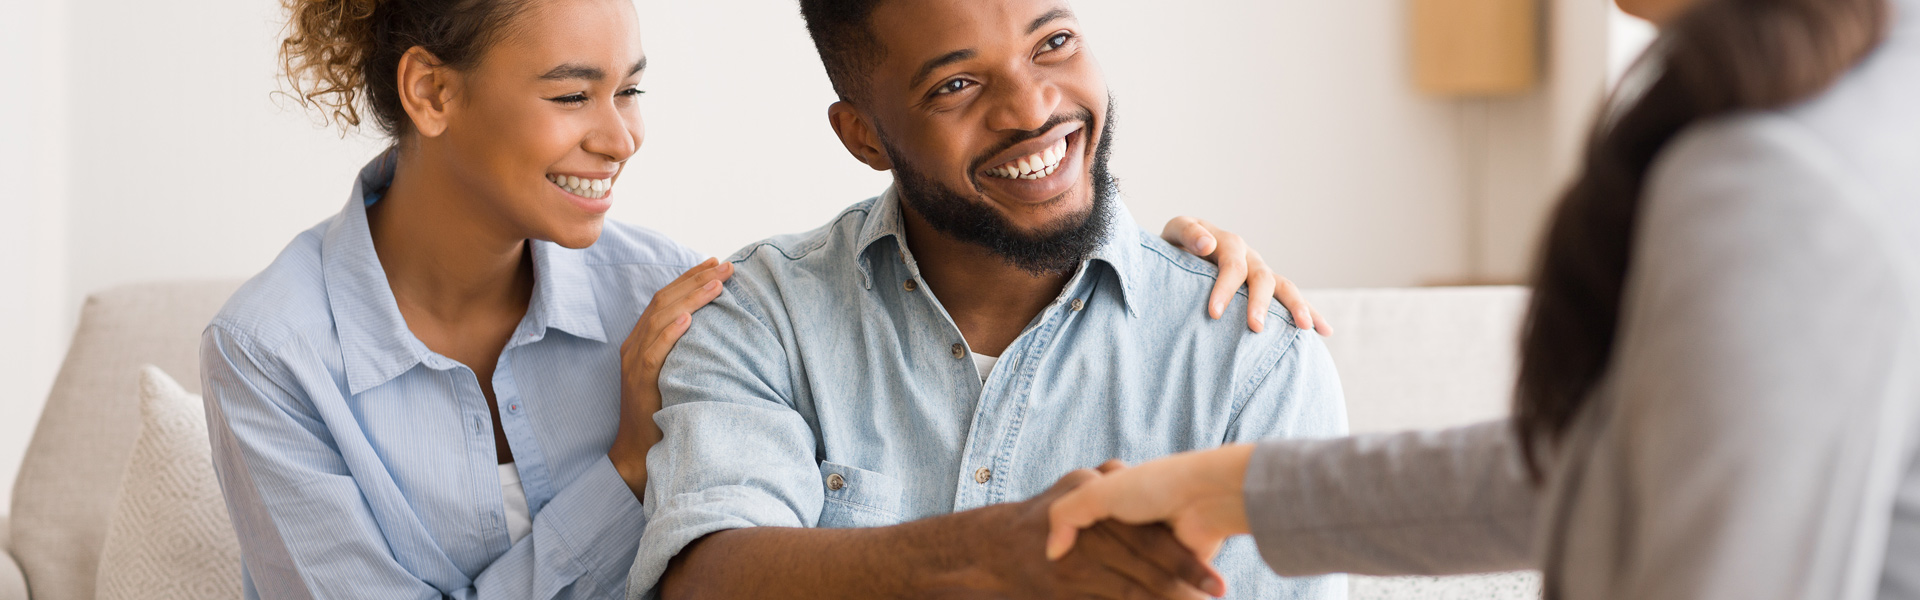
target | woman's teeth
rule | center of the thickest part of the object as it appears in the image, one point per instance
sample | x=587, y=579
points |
x=1037, y=166
x=584, y=188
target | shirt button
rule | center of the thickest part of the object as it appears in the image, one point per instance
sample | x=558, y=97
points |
x=835, y=482
x=513, y=408
x=959, y=351
x=1078, y=304
x=983, y=475
x=911, y=286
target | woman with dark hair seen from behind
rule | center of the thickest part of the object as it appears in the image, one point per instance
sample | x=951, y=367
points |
x=1719, y=392
x=447, y=389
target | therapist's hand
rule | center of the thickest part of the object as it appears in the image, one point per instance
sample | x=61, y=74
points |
x=1240, y=264
x=1199, y=494
x=667, y=318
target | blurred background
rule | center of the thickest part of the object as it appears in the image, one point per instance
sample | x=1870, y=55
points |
x=142, y=141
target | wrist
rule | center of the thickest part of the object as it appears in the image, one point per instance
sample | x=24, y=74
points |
x=1228, y=483
x=957, y=553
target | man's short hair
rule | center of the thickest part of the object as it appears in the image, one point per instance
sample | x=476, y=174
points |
x=842, y=31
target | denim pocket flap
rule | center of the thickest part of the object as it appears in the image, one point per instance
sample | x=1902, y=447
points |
x=857, y=497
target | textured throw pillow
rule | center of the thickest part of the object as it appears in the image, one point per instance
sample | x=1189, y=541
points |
x=169, y=536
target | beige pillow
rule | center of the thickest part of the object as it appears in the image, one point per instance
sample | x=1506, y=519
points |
x=169, y=536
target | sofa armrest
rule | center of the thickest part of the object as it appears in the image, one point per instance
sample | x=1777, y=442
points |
x=13, y=583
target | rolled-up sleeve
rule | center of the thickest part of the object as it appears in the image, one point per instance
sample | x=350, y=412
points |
x=736, y=453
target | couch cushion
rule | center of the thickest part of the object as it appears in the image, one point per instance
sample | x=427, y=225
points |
x=169, y=537
x=71, y=473
x=1426, y=358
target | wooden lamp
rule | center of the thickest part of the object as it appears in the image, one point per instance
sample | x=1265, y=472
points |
x=1476, y=47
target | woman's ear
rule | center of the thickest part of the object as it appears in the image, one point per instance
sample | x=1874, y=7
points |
x=426, y=91
x=859, y=136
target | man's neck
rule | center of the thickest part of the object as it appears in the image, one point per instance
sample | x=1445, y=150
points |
x=440, y=255
x=990, y=300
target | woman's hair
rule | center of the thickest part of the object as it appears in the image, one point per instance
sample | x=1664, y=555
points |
x=1720, y=57
x=343, y=56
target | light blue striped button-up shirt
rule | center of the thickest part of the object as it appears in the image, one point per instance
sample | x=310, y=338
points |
x=828, y=388
x=357, y=463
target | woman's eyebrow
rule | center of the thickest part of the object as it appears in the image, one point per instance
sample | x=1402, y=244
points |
x=587, y=72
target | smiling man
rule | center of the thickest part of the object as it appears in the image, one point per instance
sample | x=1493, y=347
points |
x=883, y=407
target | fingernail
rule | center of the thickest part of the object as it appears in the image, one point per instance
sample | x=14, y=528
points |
x=1260, y=321
x=1216, y=587
x=1216, y=310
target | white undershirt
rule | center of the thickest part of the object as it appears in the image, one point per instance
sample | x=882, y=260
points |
x=984, y=363
x=519, y=523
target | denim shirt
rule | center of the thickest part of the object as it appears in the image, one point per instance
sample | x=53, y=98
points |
x=826, y=387
x=357, y=463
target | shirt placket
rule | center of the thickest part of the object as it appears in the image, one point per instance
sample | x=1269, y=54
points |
x=536, y=480
x=480, y=447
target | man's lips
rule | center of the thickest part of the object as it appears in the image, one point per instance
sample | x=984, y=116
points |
x=1034, y=156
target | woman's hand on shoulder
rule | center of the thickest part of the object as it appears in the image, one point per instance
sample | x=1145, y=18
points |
x=1241, y=265
x=644, y=352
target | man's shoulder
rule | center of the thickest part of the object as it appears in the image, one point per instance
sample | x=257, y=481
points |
x=1172, y=285
x=822, y=248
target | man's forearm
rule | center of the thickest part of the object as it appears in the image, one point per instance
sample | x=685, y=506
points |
x=927, y=558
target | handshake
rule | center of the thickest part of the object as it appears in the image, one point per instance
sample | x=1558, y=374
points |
x=1147, y=531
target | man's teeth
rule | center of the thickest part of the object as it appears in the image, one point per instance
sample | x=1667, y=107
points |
x=1036, y=166
x=585, y=188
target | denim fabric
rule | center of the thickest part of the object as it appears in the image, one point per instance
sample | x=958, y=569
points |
x=357, y=463
x=821, y=390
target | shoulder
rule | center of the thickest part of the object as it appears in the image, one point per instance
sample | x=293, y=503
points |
x=627, y=244
x=1176, y=283
x=836, y=238
x=285, y=301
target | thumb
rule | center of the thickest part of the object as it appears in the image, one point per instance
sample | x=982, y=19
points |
x=1077, y=510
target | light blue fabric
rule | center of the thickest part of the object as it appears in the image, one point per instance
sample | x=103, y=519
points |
x=818, y=360
x=359, y=464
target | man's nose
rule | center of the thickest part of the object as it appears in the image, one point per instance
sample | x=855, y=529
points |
x=1024, y=106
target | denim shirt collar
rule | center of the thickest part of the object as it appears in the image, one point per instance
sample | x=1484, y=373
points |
x=1119, y=249
x=375, y=342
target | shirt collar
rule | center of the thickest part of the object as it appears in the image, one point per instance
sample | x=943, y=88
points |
x=375, y=343
x=1119, y=249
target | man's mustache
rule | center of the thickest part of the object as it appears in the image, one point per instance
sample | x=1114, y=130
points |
x=1084, y=116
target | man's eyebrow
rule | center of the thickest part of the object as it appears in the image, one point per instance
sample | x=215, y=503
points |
x=587, y=72
x=928, y=67
x=1051, y=16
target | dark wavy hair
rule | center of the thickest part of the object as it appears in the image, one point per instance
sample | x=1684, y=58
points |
x=343, y=56
x=1718, y=58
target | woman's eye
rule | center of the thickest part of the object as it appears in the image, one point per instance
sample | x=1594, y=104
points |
x=570, y=99
x=632, y=92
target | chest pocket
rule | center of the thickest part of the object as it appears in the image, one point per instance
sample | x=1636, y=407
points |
x=858, y=498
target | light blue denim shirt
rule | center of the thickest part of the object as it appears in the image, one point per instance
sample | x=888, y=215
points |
x=828, y=388
x=357, y=463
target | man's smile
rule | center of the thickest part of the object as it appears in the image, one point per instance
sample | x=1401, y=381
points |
x=1040, y=169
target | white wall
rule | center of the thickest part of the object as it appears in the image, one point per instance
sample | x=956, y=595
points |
x=158, y=152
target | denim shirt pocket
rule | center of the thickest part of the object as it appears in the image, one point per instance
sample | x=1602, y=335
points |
x=857, y=497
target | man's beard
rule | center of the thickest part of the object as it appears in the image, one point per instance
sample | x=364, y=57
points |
x=969, y=218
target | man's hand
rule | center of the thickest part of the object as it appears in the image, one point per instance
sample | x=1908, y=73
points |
x=1111, y=560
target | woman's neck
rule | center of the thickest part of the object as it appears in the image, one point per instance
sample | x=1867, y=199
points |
x=446, y=255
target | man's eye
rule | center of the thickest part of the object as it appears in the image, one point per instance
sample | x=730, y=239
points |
x=1058, y=40
x=953, y=86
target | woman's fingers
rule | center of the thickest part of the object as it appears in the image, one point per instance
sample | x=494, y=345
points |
x=1232, y=259
x=1295, y=301
x=1320, y=323
x=1260, y=286
x=1190, y=234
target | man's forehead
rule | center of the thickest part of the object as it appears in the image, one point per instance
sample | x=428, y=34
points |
x=916, y=30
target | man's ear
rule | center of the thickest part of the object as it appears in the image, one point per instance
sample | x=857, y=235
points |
x=426, y=91
x=859, y=136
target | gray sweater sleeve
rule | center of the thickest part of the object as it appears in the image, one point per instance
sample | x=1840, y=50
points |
x=1437, y=502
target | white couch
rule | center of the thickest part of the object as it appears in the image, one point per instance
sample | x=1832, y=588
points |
x=1413, y=358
